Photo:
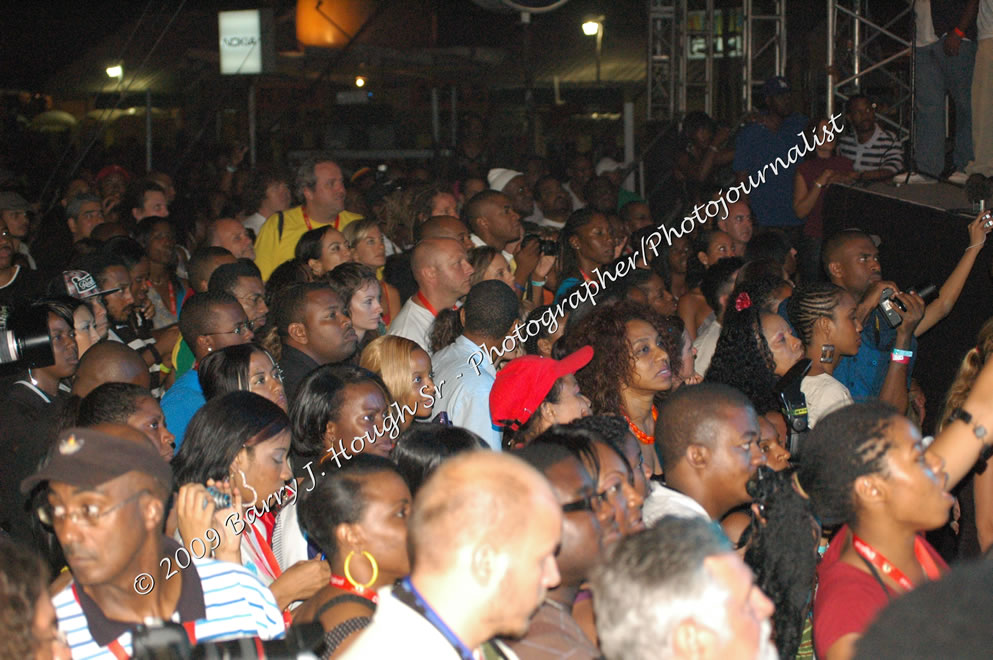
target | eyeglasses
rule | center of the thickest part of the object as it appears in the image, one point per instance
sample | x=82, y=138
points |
x=89, y=515
x=252, y=299
x=588, y=503
x=240, y=329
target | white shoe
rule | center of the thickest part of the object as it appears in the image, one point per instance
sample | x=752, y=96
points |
x=958, y=178
x=914, y=178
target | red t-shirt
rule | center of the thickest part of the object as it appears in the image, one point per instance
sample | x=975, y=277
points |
x=848, y=599
x=810, y=170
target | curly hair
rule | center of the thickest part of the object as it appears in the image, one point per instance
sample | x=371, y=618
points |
x=782, y=552
x=761, y=289
x=845, y=445
x=971, y=365
x=405, y=209
x=612, y=364
x=811, y=302
x=23, y=577
x=742, y=358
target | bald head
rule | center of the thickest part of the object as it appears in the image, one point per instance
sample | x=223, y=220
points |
x=231, y=235
x=430, y=252
x=443, y=226
x=442, y=270
x=475, y=497
x=109, y=362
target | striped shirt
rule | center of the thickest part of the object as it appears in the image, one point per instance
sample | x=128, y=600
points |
x=233, y=604
x=882, y=151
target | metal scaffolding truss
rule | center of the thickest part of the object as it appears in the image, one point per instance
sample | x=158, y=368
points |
x=687, y=36
x=872, y=57
x=764, y=43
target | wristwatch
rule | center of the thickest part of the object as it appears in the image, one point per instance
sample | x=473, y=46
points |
x=978, y=430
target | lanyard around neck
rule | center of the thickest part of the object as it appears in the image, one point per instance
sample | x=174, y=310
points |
x=407, y=594
x=310, y=225
x=878, y=561
x=343, y=584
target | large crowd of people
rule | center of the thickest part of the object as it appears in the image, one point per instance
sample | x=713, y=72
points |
x=419, y=417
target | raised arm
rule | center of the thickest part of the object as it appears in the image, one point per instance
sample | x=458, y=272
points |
x=952, y=288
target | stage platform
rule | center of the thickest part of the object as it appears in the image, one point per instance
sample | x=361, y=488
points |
x=940, y=196
x=923, y=228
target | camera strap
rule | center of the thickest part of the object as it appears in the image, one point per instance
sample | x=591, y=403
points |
x=117, y=649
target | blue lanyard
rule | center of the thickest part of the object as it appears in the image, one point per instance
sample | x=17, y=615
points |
x=407, y=594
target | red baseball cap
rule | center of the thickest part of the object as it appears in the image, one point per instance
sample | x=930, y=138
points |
x=523, y=384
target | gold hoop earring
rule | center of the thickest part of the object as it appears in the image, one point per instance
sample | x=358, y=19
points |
x=375, y=570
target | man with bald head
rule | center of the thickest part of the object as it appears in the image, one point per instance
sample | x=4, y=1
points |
x=737, y=225
x=443, y=226
x=441, y=269
x=109, y=362
x=483, y=534
x=231, y=235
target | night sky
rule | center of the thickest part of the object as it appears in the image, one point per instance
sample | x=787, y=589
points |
x=39, y=38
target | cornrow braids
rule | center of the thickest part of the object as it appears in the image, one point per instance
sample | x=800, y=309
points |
x=811, y=302
x=845, y=445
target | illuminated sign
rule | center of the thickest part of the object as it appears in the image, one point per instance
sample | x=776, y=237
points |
x=245, y=41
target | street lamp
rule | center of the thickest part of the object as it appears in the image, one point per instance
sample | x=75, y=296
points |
x=594, y=27
x=115, y=71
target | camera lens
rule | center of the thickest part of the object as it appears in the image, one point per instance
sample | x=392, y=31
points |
x=25, y=338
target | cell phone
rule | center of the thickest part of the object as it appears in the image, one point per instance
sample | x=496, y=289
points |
x=221, y=500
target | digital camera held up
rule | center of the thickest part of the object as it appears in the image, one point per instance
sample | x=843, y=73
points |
x=888, y=305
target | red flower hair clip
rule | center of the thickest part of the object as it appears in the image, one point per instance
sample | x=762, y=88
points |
x=742, y=302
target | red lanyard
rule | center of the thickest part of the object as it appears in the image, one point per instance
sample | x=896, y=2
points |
x=172, y=298
x=342, y=583
x=586, y=276
x=428, y=306
x=117, y=649
x=306, y=218
x=924, y=558
x=643, y=437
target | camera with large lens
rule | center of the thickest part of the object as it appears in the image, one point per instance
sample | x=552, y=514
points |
x=888, y=305
x=24, y=337
x=548, y=246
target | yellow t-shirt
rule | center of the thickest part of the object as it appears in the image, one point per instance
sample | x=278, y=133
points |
x=271, y=249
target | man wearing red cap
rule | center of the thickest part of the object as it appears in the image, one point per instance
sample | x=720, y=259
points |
x=106, y=501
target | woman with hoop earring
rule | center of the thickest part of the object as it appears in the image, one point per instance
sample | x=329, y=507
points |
x=357, y=516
